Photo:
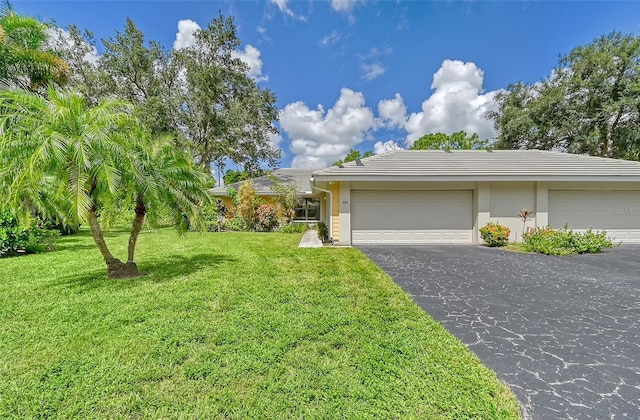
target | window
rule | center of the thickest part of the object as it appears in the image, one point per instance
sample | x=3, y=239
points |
x=308, y=209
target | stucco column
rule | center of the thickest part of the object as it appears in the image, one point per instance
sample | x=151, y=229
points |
x=483, y=208
x=345, y=214
x=542, y=204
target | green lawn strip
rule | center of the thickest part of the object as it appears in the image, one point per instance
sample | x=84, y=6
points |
x=227, y=325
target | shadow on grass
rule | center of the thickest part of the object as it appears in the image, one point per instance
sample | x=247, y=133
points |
x=156, y=270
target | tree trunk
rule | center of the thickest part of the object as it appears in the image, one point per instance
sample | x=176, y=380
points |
x=608, y=134
x=141, y=211
x=116, y=269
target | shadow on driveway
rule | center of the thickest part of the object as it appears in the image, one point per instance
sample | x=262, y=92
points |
x=562, y=332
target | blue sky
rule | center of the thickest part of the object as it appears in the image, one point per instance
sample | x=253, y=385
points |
x=360, y=73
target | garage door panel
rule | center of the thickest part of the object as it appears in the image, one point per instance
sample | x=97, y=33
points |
x=410, y=237
x=617, y=212
x=411, y=217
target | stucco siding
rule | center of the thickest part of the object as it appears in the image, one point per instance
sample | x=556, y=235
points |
x=507, y=199
x=335, y=211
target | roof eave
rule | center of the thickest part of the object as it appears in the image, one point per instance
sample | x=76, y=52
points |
x=261, y=193
x=476, y=178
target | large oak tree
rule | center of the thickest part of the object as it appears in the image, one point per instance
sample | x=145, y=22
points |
x=589, y=104
x=201, y=93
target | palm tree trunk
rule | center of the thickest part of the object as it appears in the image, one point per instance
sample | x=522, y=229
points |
x=141, y=211
x=115, y=268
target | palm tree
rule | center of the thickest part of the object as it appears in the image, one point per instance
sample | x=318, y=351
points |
x=62, y=158
x=25, y=62
x=165, y=178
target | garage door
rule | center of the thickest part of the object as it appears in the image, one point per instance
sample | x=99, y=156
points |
x=411, y=217
x=618, y=212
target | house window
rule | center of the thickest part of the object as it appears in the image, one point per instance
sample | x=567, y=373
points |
x=308, y=209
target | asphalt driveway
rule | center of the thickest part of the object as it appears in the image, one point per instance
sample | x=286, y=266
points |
x=562, y=332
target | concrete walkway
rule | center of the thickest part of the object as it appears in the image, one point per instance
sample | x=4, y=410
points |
x=310, y=240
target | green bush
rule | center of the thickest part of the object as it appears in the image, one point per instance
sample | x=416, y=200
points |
x=564, y=241
x=30, y=238
x=323, y=231
x=293, y=228
x=495, y=235
x=235, y=224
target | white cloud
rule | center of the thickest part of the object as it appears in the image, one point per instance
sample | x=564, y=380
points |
x=370, y=63
x=58, y=38
x=344, y=6
x=185, y=36
x=371, y=71
x=330, y=39
x=261, y=30
x=282, y=5
x=376, y=53
x=320, y=137
x=251, y=56
x=274, y=140
x=457, y=103
x=285, y=10
x=393, y=112
x=387, y=146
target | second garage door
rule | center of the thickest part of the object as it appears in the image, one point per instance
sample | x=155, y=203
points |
x=618, y=212
x=411, y=217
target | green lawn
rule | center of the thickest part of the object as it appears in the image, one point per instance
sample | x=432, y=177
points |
x=227, y=325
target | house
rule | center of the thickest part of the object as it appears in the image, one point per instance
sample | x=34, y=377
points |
x=308, y=209
x=421, y=197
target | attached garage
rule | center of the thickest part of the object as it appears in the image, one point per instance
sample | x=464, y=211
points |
x=437, y=196
x=618, y=212
x=411, y=217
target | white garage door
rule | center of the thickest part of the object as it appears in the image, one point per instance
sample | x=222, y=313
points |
x=411, y=217
x=618, y=212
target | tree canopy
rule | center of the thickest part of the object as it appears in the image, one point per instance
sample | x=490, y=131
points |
x=201, y=93
x=25, y=59
x=458, y=140
x=589, y=104
x=353, y=155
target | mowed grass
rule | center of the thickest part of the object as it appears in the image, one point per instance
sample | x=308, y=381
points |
x=229, y=325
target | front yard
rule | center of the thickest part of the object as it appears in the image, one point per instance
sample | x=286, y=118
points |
x=228, y=325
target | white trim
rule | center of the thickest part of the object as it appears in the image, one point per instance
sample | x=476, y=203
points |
x=315, y=187
x=480, y=178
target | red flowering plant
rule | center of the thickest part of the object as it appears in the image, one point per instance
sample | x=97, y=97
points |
x=495, y=235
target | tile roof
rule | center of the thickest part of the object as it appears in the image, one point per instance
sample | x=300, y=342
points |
x=263, y=183
x=481, y=165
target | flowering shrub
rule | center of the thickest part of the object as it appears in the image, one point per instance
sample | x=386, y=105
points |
x=266, y=218
x=494, y=234
x=565, y=241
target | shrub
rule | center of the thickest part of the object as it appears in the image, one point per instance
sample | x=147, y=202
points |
x=234, y=224
x=564, y=241
x=323, y=231
x=494, y=234
x=266, y=218
x=293, y=228
x=591, y=242
x=16, y=237
x=246, y=207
